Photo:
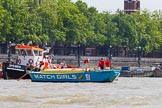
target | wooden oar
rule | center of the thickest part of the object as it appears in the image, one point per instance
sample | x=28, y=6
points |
x=23, y=76
x=27, y=73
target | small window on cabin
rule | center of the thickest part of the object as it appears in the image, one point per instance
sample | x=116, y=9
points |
x=23, y=53
x=40, y=53
x=36, y=53
x=29, y=52
x=18, y=52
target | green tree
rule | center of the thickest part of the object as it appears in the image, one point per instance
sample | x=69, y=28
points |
x=6, y=18
x=149, y=36
x=111, y=30
x=72, y=22
x=3, y=14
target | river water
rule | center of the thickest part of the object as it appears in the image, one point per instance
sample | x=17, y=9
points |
x=122, y=93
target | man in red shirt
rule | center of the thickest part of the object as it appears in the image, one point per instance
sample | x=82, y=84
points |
x=101, y=63
x=107, y=64
x=86, y=61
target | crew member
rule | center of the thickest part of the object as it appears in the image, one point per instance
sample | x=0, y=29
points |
x=46, y=63
x=62, y=65
x=69, y=66
x=101, y=63
x=86, y=61
x=107, y=63
x=50, y=63
x=41, y=65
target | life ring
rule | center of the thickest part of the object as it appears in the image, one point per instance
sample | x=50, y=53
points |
x=30, y=61
x=19, y=61
x=80, y=77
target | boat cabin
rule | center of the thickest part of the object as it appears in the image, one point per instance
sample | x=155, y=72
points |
x=29, y=55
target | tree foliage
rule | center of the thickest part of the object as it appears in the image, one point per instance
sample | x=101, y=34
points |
x=67, y=23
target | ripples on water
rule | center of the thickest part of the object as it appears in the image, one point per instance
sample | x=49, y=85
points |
x=124, y=93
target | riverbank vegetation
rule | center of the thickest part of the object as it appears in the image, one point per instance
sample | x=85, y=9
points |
x=64, y=22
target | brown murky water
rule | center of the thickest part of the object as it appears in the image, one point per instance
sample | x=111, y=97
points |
x=123, y=93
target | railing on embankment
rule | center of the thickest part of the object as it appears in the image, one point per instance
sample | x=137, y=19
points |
x=115, y=62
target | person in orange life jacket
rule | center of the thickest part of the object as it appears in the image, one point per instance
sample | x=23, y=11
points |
x=107, y=64
x=101, y=63
x=46, y=64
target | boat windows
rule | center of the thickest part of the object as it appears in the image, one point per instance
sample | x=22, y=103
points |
x=40, y=53
x=36, y=52
x=29, y=52
x=18, y=52
x=23, y=53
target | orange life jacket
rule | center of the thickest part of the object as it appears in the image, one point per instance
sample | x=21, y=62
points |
x=46, y=65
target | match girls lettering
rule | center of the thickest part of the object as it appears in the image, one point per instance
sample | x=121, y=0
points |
x=57, y=77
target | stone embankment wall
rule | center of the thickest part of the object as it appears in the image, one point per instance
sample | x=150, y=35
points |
x=115, y=62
